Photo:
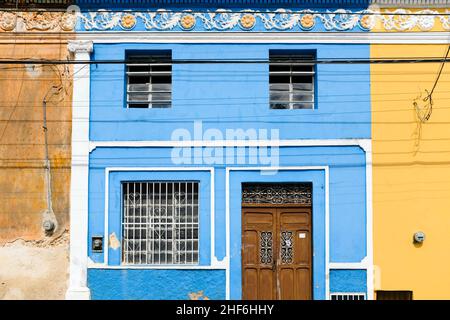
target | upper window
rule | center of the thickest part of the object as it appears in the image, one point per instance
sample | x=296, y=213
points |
x=149, y=81
x=291, y=78
x=160, y=222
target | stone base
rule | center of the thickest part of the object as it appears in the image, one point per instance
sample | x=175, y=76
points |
x=80, y=293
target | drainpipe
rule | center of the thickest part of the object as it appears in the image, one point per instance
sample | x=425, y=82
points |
x=49, y=224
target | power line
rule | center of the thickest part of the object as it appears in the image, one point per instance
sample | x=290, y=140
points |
x=229, y=61
x=429, y=97
x=440, y=71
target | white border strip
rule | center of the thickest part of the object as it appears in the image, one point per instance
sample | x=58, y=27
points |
x=228, y=216
x=404, y=37
x=214, y=262
x=159, y=267
x=79, y=177
x=265, y=37
x=363, y=143
x=369, y=222
x=349, y=265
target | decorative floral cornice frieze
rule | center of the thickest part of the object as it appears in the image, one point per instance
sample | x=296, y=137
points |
x=278, y=20
x=8, y=21
x=227, y=20
x=403, y=22
x=37, y=21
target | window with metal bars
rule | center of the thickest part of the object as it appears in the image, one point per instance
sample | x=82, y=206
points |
x=347, y=296
x=291, y=80
x=149, y=80
x=160, y=222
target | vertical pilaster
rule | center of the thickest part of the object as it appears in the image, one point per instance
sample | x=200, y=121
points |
x=78, y=289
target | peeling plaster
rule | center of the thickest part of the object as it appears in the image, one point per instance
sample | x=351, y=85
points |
x=62, y=238
x=34, y=269
x=113, y=241
x=197, y=296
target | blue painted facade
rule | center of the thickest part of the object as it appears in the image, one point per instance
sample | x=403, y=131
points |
x=231, y=96
x=159, y=285
x=348, y=281
x=223, y=97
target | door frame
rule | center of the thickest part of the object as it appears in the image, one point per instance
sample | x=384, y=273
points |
x=319, y=177
x=280, y=206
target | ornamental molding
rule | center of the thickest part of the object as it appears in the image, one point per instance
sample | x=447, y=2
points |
x=226, y=20
x=278, y=20
x=40, y=20
x=411, y=3
x=338, y=20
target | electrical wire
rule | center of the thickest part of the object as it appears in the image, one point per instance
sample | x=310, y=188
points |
x=440, y=71
x=429, y=97
x=228, y=61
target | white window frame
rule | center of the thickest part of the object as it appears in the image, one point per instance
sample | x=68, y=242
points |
x=165, y=59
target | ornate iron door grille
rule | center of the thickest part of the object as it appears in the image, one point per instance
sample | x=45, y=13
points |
x=287, y=248
x=280, y=193
x=266, y=247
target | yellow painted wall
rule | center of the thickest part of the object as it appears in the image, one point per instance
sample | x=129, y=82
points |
x=411, y=173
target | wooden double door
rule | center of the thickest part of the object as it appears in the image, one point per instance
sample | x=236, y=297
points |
x=276, y=253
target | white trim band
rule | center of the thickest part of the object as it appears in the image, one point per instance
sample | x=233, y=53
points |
x=267, y=37
x=365, y=144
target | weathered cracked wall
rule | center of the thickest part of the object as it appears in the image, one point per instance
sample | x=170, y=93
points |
x=33, y=266
x=34, y=270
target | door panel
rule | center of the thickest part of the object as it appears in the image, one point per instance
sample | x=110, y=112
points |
x=250, y=249
x=295, y=253
x=303, y=280
x=276, y=253
x=250, y=283
x=303, y=243
x=287, y=283
x=258, y=228
x=266, y=284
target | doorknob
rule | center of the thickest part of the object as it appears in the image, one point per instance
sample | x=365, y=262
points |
x=274, y=265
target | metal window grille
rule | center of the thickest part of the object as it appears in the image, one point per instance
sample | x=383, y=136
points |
x=160, y=222
x=291, y=80
x=347, y=296
x=149, y=81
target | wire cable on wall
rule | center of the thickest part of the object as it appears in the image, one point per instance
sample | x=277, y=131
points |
x=424, y=113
